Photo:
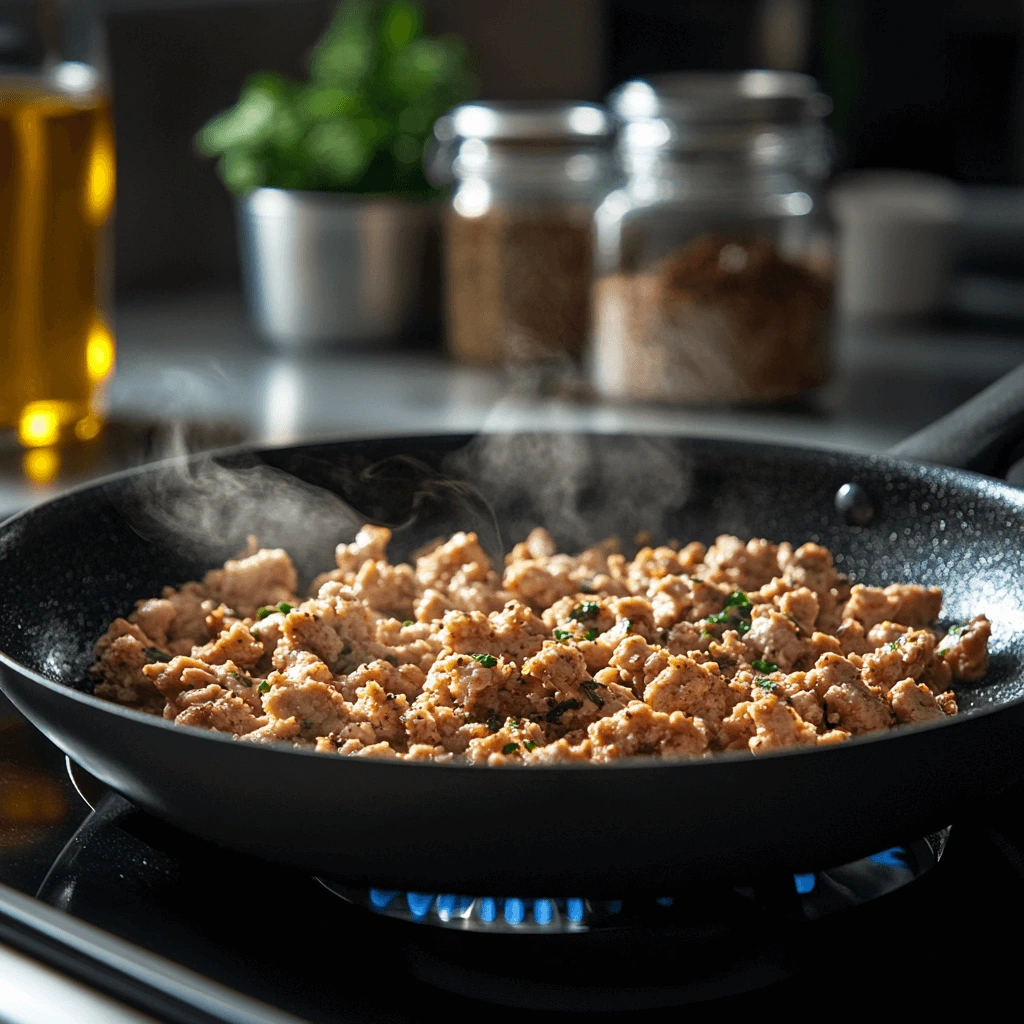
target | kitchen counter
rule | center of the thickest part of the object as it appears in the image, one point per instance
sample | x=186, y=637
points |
x=188, y=359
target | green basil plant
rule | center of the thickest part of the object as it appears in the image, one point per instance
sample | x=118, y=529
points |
x=376, y=86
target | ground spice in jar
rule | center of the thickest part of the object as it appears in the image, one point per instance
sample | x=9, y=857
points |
x=517, y=284
x=719, y=320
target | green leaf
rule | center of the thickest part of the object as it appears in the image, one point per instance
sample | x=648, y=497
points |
x=510, y=748
x=585, y=610
x=264, y=687
x=765, y=666
x=487, y=660
x=400, y=25
x=346, y=53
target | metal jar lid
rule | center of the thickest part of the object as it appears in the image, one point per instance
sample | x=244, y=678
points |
x=515, y=123
x=703, y=97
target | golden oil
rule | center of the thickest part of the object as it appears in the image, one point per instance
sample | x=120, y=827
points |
x=56, y=196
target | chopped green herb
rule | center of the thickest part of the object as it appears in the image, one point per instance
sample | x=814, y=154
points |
x=956, y=630
x=942, y=653
x=897, y=643
x=743, y=626
x=255, y=634
x=487, y=660
x=719, y=618
x=262, y=613
x=628, y=623
x=514, y=724
x=234, y=675
x=706, y=633
x=591, y=634
x=590, y=688
x=407, y=622
x=585, y=610
x=765, y=684
x=562, y=634
x=264, y=687
x=765, y=666
x=284, y=607
x=695, y=579
x=737, y=599
x=530, y=745
x=154, y=655
x=510, y=748
x=493, y=722
x=559, y=709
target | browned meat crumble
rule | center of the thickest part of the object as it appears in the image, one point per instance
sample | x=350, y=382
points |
x=589, y=657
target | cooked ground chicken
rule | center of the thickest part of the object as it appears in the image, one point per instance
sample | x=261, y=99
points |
x=590, y=657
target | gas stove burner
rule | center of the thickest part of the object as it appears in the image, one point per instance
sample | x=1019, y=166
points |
x=804, y=896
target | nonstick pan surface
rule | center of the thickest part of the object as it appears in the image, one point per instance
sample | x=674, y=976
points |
x=68, y=567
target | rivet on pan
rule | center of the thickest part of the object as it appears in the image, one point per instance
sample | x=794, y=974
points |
x=854, y=505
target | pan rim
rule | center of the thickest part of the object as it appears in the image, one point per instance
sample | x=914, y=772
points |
x=911, y=469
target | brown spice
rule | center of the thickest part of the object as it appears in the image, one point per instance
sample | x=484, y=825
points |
x=719, y=320
x=517, y=284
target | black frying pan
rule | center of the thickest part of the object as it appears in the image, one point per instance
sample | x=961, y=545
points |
x=70, y=566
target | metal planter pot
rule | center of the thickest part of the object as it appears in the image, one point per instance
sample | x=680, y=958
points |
x=321, y=268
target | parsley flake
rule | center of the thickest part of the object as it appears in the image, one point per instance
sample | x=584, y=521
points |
x=707, y=633
x=264, y=687
x=897, y=643
x=585, y=610
x=695, y=579
x=743, y=626
x=560, y=708
x=234, y=675
x=407, y=622
x=591, y=634
x=154, y=655
x=510, y=748
x=264, y=611
x=942, y=653
x=956, y=630
x=493, y=722
x=590, y=689
x=530, y=745
x=765, y=666
x=765, y=684
x=562, y=634
x=628, y=625
x=487, y=660
x=284, y=607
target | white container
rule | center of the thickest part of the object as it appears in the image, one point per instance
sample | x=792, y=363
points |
x=895, y=246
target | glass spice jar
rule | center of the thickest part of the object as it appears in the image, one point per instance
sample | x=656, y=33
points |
x=713, y=260
x=517, y=232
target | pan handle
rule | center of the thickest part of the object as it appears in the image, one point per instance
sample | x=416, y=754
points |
x=983, y=434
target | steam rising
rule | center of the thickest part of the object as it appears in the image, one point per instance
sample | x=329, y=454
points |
x=205, y=509
x=582, y=487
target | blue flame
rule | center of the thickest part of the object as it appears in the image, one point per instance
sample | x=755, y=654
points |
x=419, y=902
x=804, y=883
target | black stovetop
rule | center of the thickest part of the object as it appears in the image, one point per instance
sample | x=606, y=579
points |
x=279, y=937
